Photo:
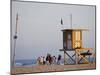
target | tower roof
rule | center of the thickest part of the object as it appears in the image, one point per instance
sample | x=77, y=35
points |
x=75, y=30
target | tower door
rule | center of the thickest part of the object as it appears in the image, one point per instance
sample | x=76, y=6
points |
x=67, y=40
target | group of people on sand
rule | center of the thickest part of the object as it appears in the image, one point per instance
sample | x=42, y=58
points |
x=49, y=60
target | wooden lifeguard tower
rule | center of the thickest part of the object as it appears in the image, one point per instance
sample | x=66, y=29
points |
x=72, y=41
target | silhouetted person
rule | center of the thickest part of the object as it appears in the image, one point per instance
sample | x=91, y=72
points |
x=43, y=60
x=50, y=59
x=59, y=60
x=47, y=59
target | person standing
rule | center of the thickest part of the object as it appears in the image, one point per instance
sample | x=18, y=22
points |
x=41, y=60
x=53, y=60
x=47, y=59
x=50, y=59
x=59, y=60
x=38, y=60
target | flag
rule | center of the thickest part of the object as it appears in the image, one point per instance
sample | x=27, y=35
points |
x=17, y=16
x=61, y=21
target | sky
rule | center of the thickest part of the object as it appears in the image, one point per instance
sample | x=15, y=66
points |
x=39, y=27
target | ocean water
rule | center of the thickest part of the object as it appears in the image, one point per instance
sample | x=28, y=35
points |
x=33, y=62
x=25, y=62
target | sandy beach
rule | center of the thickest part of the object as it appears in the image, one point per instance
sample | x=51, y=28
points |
x=51, y=68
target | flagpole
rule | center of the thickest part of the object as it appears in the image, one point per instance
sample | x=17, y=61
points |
x=15, y=38
x=71, y=21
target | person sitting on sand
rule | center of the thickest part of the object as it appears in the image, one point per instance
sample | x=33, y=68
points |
x=59, y=60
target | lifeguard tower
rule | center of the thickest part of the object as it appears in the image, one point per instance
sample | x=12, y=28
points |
x=72, y=41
